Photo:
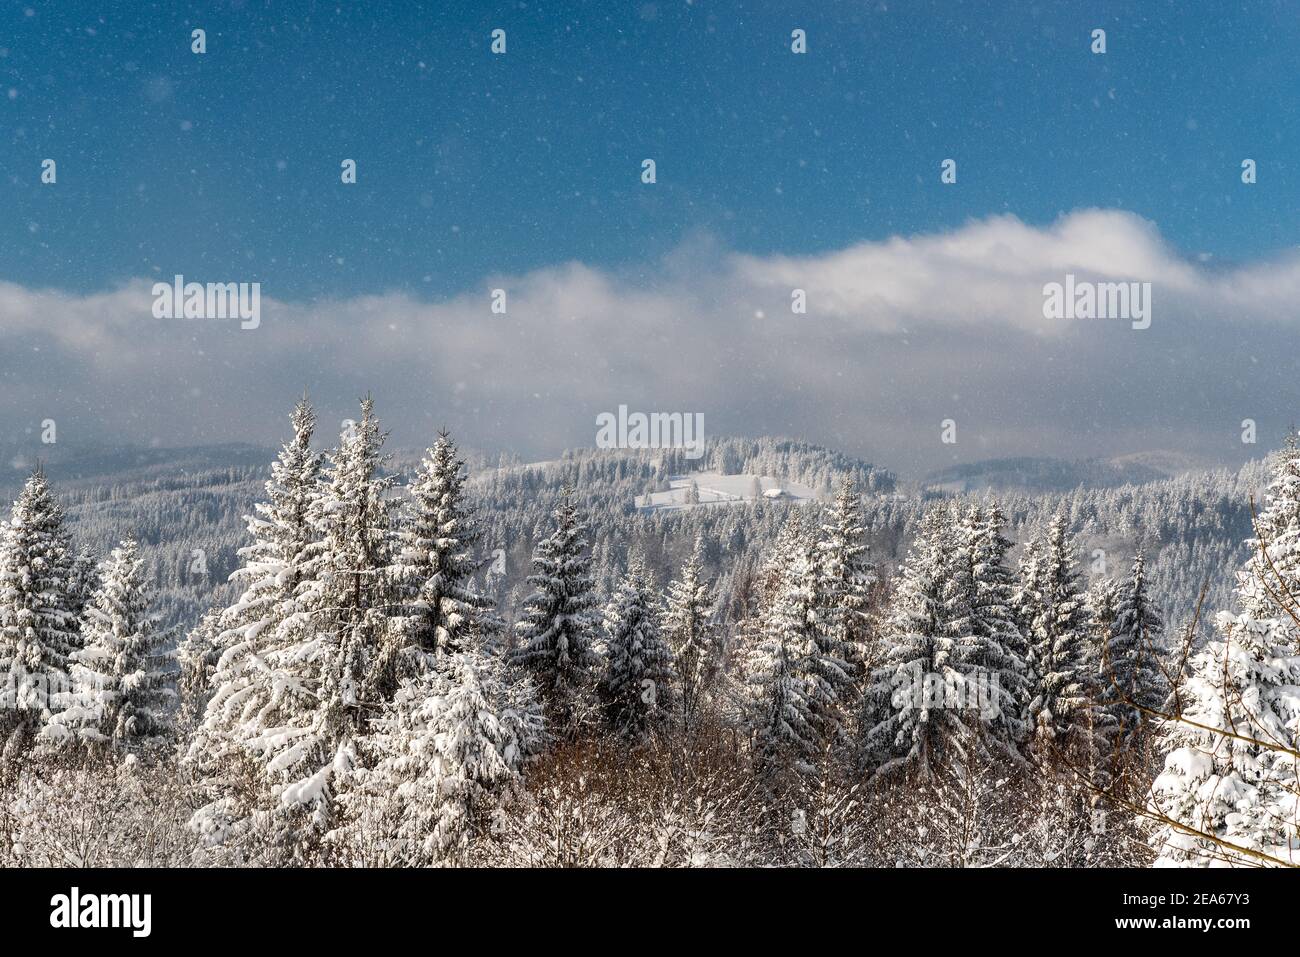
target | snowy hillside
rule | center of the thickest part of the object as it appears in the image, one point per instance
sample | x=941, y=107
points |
x=713, y=488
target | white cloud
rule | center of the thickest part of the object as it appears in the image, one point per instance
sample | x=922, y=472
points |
x=899, y=335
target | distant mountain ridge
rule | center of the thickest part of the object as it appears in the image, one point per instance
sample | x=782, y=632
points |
x=75, y=465
x=1039, y=475
x=83, y=463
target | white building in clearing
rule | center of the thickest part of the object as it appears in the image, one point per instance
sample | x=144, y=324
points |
x=775, y=493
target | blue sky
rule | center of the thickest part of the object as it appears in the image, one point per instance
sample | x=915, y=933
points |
x=775, y=171
x=472, y=164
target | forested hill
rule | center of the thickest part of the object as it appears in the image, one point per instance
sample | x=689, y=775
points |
x=188, y=505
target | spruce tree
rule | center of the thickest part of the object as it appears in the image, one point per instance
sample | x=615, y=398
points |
x=85, y=580
x=823, y=659
x=349, y=601
x=296, y=689
x=1131, y=680
x=259, y=650
x=1056, y=619
x=1270, y=579
x=778, y=712
x=435, y=563
x=122, y=673
x=845, y=578
x=557, y=634
x=913, y=708
x=277, y=568
x=197, y=656
x=691, y=633
x=766, y=587
x=38, y=626
x=445, y=751
x=1228, y=791
x=1102, y=601
x=1028, y=590
x=981, y=620
x=639, y=686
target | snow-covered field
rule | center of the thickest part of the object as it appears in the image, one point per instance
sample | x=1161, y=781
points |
x=717, y=489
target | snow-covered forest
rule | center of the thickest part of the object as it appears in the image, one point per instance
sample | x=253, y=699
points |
x=776, y=656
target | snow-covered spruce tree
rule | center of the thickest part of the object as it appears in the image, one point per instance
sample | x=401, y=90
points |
x=557, y=634
x=197, y=655
x=1132, y=683
x=1228, y=793
x=989, y=647
x=1270, y=580
x=278, y=569
x=1102, y=601
x=845, y=578
x=639, y=685
x=258, y=650
x=122, y=674
x=38, y=625
x=1028, y=586
x=1064, y=721
x=349, y=601
x=435, y=563
x=779, y=713
x=689, y=628
x=283, y=533
x=913, y=706
x=766, y=586
x=842, y=553
x=604, y=571
x=316, y=663
x=1053, y=611
x=85, y=580
x=822, y=656
x=693, y=493
x=446, y=751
